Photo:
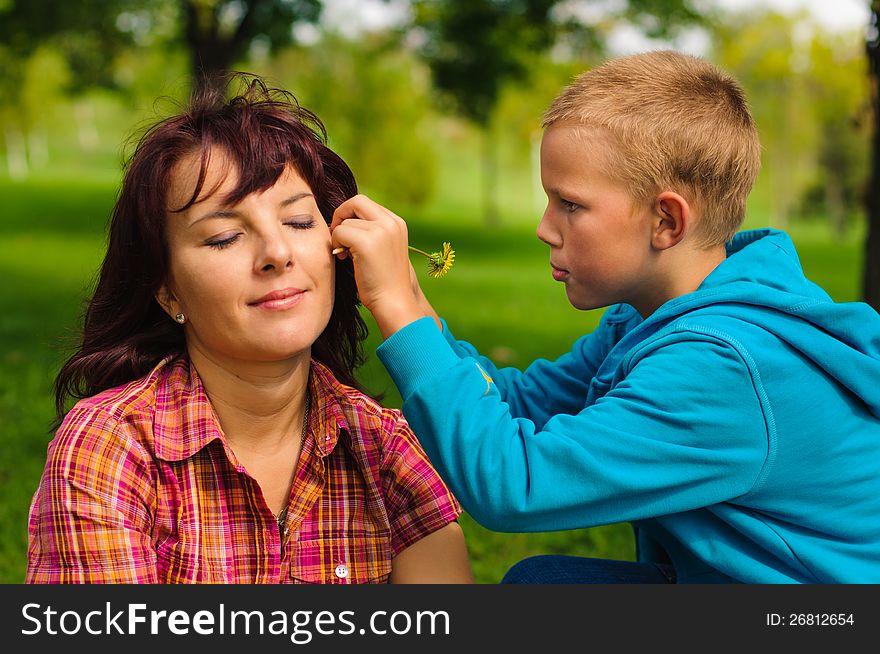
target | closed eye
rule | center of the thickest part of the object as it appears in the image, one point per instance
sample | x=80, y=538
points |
x=219, y=244
x=301, y=223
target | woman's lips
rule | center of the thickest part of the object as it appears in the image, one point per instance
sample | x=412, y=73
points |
x=279, y=300
x=558, y=273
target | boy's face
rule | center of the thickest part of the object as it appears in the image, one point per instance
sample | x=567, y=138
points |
x=600, y=241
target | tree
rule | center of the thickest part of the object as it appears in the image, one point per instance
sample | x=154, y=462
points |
x=377, y=110
x=219, y=32
x=838, y=98
x=871, y=277
x=91, y=33
x=761, y=51
x=474, y=47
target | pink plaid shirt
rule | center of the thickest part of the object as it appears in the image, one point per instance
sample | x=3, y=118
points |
x=140, y=485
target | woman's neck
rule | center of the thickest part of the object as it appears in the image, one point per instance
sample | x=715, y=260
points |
x=260, y=405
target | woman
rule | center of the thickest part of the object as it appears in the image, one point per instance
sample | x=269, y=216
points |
x=221, y=436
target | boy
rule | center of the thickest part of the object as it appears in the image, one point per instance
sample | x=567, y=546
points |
x=725, y=405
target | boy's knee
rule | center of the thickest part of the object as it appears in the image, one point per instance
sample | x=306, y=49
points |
x=527, y=571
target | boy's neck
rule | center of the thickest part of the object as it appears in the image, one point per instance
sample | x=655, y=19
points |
x=679, y=271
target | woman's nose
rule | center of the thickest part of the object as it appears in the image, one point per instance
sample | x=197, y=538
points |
x=275, y=253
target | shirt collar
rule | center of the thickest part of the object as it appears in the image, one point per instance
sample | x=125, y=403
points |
x=327, y=419
x=185, y=422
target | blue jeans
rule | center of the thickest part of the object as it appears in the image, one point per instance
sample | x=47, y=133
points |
x=558, y=569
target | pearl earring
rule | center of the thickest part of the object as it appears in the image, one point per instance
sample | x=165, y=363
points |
x=180, y=318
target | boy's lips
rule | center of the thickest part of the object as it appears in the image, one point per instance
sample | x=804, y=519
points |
x=559, y=274
x=279, y=300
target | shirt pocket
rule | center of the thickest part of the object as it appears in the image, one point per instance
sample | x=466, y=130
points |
x=341, y=561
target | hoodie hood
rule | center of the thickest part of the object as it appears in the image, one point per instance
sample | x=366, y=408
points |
x=762, y=282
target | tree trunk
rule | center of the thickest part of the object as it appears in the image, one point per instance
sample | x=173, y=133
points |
x=490, y=177
x=86, y=127
x=16, y=153
x=212, y=53
x=871, y=279
x=209, y=64
x=38, y=147
x=836, y=204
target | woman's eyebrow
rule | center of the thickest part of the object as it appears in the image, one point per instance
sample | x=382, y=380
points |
x=294, y=198
x=220, y=213
x=232, y=213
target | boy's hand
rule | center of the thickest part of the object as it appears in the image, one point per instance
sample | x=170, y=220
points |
x=376, y=239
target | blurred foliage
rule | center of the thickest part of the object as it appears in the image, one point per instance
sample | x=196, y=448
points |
x=387, y=97
x=91, y=34
x=761, y=55
x=871, y=272
x=377, y=110
x=474, y=48
x=219, y=33
x=808, y=92
x=86, y=32
x=839, y=100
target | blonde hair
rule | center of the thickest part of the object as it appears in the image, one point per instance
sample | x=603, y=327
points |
x=675, y=122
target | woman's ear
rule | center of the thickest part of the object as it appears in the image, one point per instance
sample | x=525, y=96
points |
x=672, y=219
x=167, y=300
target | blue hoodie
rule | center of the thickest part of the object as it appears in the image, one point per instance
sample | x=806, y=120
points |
x=737, y=427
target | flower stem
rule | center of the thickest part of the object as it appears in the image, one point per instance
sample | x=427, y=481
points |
x=418, y=250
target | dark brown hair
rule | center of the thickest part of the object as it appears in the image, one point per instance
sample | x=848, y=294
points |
x=262, y=130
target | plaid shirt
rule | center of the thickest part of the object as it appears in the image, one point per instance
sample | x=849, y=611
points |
x=140, y=485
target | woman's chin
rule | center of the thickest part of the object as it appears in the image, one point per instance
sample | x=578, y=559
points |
x=265, y=353
x=281, y=355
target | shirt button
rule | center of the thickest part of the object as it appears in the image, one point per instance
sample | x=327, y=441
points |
x=341, y=571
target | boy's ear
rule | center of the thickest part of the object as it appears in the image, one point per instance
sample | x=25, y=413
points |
x=672, y=219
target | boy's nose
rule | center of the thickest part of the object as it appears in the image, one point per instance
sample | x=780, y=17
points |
x=546, y=231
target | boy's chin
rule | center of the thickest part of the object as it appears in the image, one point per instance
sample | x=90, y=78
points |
x=584, y=304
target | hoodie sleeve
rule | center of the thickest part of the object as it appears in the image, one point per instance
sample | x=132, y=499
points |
x=663, y=440
x=528, y=393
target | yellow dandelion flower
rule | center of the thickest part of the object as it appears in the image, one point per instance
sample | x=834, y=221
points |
x=439, y=263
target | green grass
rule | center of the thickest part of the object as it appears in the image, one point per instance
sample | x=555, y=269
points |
x=499, y=296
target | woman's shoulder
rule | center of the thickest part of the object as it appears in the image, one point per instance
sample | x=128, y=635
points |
x=130, y=397
x=116, y=416
x=359, y=410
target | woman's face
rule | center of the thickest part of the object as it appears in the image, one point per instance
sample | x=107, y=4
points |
x=255, y=280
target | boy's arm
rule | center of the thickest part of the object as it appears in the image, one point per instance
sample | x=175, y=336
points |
x=664, y=440
x=545, y=388
x=684, y=429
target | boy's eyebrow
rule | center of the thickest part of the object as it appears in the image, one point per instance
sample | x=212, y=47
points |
x=555, y=191
x=232, y=213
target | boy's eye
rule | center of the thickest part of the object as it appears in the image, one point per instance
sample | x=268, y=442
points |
x=570, y=207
